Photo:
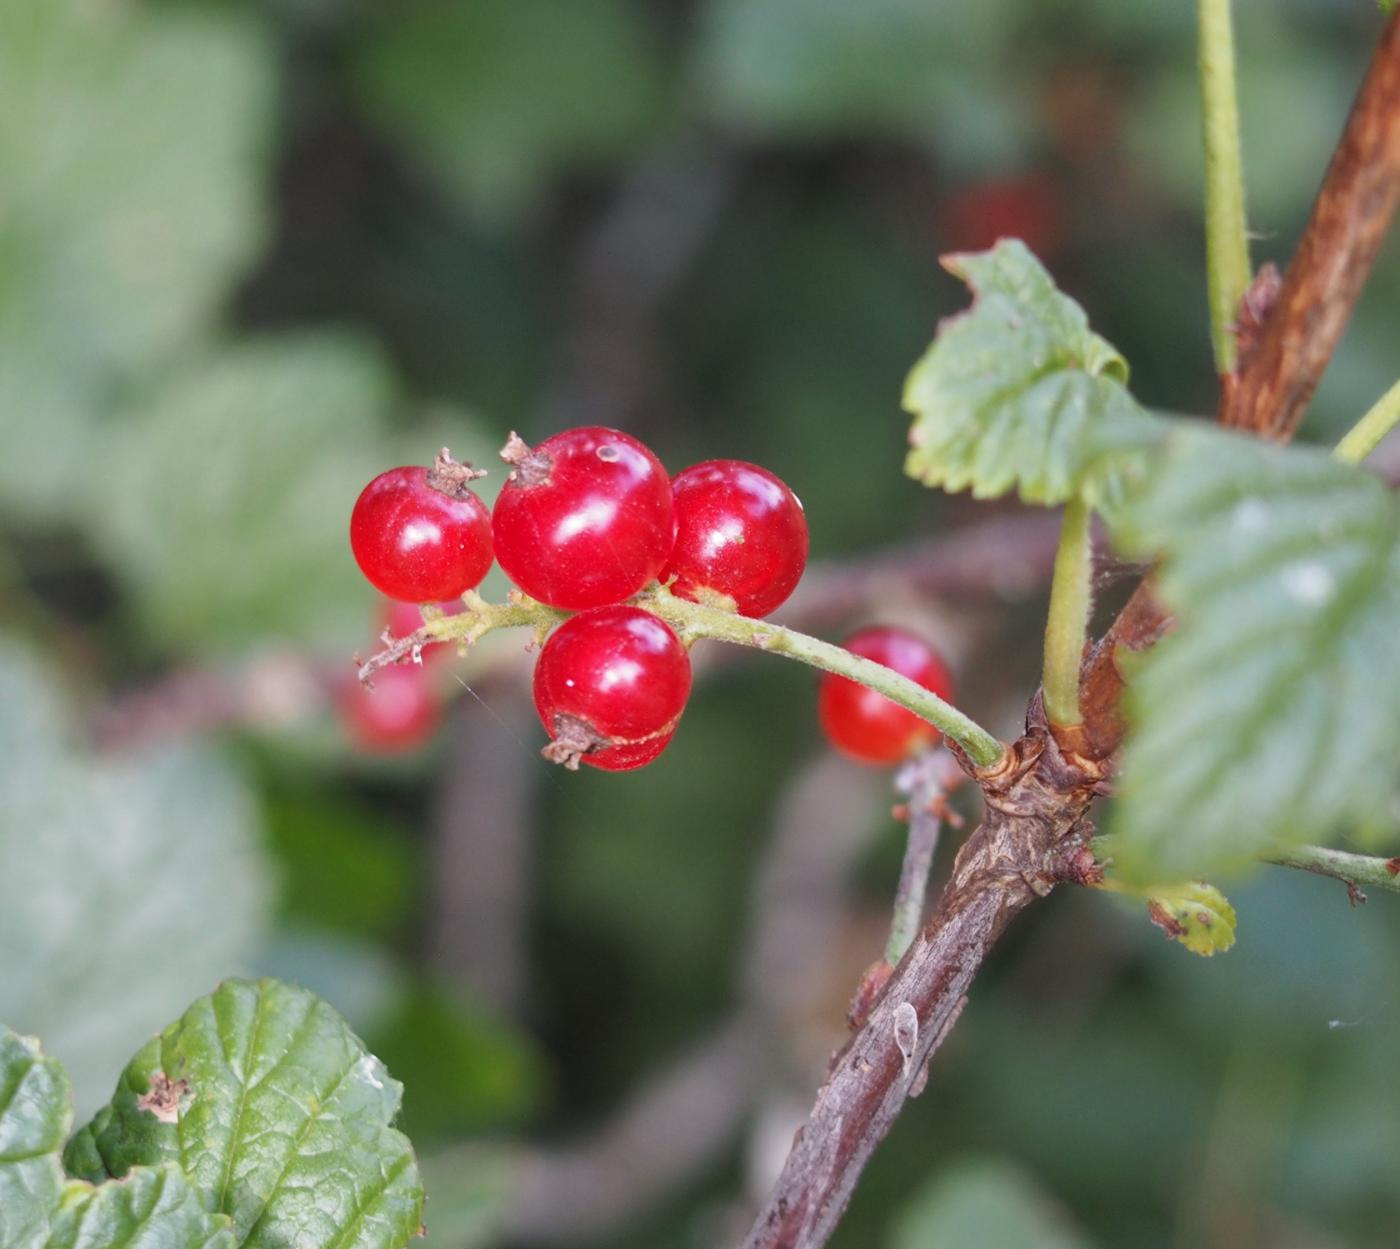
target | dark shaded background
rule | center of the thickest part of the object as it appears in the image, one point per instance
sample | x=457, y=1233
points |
x=252, y=253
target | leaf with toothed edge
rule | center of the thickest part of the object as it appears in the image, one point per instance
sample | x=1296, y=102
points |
x=278, y=1115
x=41, y=1209
x=34, y=1118
x=1017, y=393
x=1196, y=914
x=1269, y=714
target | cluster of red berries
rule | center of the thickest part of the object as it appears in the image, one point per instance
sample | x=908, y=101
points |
x=585, y=521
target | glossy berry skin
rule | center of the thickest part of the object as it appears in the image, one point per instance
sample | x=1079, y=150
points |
x=399, y=713
x=741, y=537
x=418, y=544
x=610, y=686
x=585, y=519
x=867, y=726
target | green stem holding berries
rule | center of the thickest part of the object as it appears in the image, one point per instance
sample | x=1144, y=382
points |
x=1068, y=625
x=1365, y=436
x=1227, y=243
x=692, y=621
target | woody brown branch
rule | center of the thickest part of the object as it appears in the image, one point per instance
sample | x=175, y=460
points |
x=1335, y=256
x=1033, y=830
x=1281, y=371
x=1034, y=808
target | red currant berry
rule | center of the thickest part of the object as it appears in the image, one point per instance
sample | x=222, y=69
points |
x=398, y=713
x=585, y=519
x=419, y=534
x=610, y=686
x=867, y=726
x=741, y=537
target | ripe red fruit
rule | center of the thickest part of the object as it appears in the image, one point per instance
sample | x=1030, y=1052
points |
x=585, y=519
x=419, y=534
x=610, y=686
x=741, y=537
x=867, y=726
x=1030, y=207
x=400, y=712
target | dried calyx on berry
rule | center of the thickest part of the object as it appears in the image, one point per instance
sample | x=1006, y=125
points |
x=585, y=519
x=610, y=686
x=421, y=535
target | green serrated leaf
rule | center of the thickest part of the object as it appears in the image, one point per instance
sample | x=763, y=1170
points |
x=35, y=1114
x=1196, y=914
x=1017, y=393
x=39, y=1209
x=1269, y=715
x=151, y=1206
x=276, y=1112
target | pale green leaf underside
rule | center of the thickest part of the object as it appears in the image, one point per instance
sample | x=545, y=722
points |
x=1272, y=712
x=40, y=1209
x=283, y=1124
x=270, y=440
x=110, y=866
x=1017, y=393
x=132, y=145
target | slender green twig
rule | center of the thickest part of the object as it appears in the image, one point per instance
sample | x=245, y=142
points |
x=693, y=621
x=1365, y=436
x=1353, y=870
x=1067, y=627
x=1227, y=244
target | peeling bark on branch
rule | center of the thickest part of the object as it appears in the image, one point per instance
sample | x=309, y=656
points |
x=1349, y=219
x=1035, y=805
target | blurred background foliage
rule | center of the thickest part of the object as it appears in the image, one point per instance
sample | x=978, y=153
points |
x=250, y=253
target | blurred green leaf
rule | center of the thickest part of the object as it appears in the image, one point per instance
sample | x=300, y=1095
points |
x=471, y=1188
x=814, y=69
x=276, y=1112
x=471, y=1072
x=498, y=95
x=991, y=1203
x=1283, y=71
x=132, y=142
x=359, y=978
x=39, y=1209
x=237, y=480
x=126, y=885
x=1018, y=393
x=343, y=866
x=1269, y=714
